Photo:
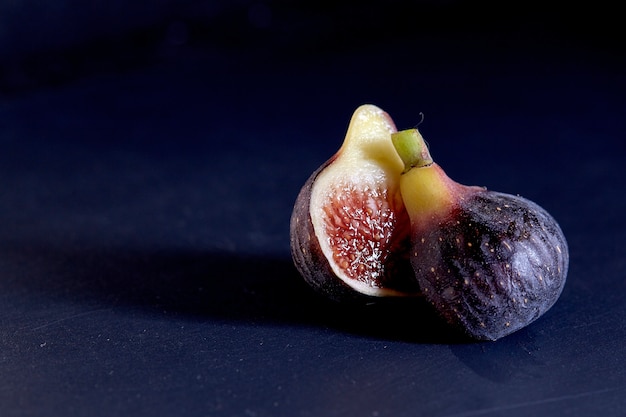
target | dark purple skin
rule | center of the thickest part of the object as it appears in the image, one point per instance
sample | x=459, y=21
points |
x=492, y=267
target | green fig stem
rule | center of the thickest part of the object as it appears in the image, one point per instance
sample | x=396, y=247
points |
x=411, y=148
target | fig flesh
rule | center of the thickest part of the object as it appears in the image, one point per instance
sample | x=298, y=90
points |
x=490, y=263
x=349, y=229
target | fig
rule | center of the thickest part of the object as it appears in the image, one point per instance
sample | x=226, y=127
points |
x=349, y=230
x=490, y=263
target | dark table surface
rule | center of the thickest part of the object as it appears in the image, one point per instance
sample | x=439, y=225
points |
x=144, y=225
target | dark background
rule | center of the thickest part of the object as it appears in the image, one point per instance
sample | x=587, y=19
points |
x=151, y=155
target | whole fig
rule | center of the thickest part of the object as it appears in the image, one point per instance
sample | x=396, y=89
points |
x=490, y=263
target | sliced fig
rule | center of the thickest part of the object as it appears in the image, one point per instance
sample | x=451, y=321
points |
x=349, y=229
x=490, y=263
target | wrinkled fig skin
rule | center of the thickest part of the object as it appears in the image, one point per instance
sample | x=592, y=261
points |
x=495, y=265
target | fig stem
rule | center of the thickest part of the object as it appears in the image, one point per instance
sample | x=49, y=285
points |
x=411, y=148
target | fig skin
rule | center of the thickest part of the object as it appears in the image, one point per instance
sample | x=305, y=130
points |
x=493, y=266
x=368, y=157
x=490, y=263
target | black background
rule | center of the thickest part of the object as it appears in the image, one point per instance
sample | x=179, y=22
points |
x=151, y=155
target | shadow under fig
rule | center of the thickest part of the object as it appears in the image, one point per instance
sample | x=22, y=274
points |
x=220, y=286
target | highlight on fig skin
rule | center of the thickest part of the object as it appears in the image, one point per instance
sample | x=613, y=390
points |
x=490, y=263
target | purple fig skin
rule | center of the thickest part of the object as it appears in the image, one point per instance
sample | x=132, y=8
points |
x=494, y=265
